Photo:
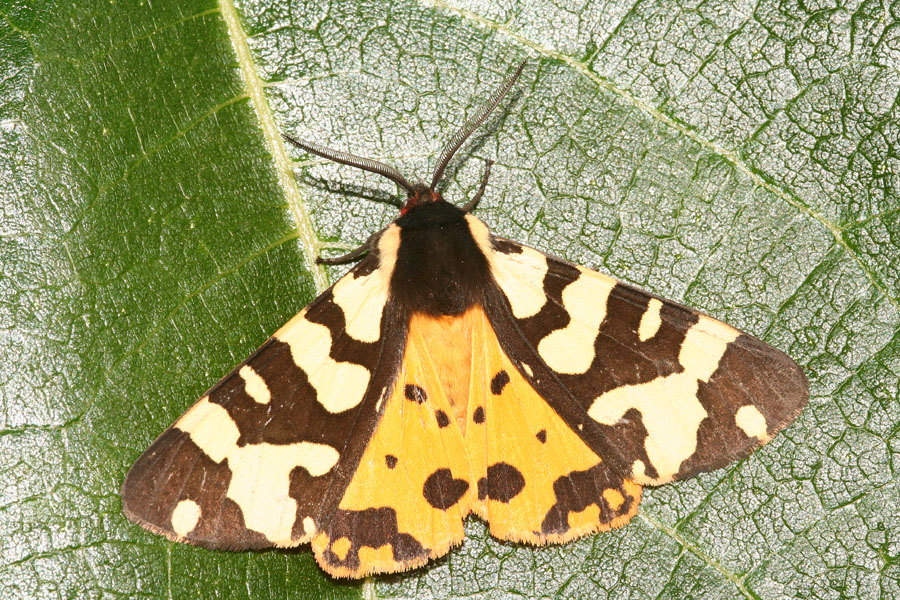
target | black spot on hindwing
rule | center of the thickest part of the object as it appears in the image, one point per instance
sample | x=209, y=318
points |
x=442, y=419
x=478, y=415
x=499, y=382
x=503, y=483
x=415, y=393
x=442, y=491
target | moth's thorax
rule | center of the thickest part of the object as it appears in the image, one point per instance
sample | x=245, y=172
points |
x=440, y=270
x=422, y=194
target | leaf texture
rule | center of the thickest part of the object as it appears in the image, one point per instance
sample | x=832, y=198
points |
x=737, y=157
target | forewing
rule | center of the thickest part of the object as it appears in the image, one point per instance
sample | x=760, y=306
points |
x=662, y=389
x=263, y=457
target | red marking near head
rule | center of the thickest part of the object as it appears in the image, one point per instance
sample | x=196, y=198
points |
x=420, y=195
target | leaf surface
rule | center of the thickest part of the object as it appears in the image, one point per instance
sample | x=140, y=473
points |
x=739, y=158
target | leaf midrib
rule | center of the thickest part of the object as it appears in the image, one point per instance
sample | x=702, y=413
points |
x=255, y=88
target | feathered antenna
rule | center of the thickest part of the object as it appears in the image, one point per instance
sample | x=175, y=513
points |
x=352, y=160
x=472, y=124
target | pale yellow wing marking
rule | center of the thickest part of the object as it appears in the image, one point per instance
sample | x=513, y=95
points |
x=651, y=320
x=185, y=517
x=571, y=349
x=520, y=276
x=255, y=385
x=339, y=386
x=362, y=299
x=752, y=422
x=260, y=473
x=669, y=406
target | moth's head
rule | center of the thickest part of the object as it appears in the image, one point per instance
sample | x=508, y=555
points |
x=419, y=193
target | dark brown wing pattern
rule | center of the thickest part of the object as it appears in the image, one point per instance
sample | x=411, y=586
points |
x=667, y=390
x=263, y=458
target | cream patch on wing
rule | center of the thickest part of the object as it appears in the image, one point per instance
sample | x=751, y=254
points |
x=520, y=276
x=260, y=482
x=309, y=526
x=254, y=385
x=362, y=299
x=185, y=517
x=650, y=320
x=260, y=473
x=637, y=470
x=571, y=349
x=211, y=428
x=751, y=422
x=669, y=407
x=339, y=386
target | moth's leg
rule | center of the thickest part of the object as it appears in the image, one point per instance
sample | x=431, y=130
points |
x=350, y=256
x=471, y=204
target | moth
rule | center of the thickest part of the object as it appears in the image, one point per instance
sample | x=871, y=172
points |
x=449, y=372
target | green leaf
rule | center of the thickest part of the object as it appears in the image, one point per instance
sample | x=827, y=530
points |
x=740, y=159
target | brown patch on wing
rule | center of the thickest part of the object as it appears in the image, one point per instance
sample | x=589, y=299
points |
x=750, y=370
x=498, y=382
x=502, y=483
x=580, y=493
x=628, y=435
x=201, y=481
x=149, y=501
x=292, y=413
x=285, y=419
x=442, y=419
x=620, y=357
x=366, y=541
